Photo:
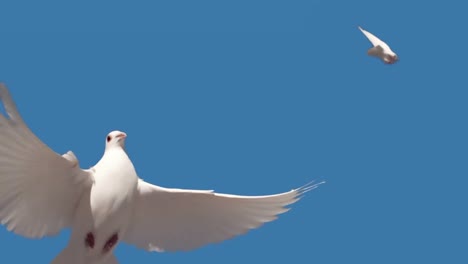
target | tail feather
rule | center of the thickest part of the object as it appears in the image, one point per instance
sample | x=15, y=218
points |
x=111, y=260
x=70, y=255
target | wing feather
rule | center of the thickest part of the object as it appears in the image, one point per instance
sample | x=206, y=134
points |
x=175, y=219
x=375, y=40
x=39, y=189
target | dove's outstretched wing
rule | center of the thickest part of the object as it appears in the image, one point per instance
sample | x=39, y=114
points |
x=375, y=40
x=39, y=189
x=176, y=219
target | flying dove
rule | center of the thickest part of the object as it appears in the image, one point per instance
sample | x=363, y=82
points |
x=42, y=192
x=380, y=49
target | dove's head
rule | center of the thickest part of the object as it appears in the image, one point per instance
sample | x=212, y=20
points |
x=390, y=58
x=115, y=139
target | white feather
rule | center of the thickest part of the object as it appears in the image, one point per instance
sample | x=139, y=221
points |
x=39, y=189
x=175, y=219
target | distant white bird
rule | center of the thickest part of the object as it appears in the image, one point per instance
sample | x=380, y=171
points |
x=42, y=192
x=380, y=49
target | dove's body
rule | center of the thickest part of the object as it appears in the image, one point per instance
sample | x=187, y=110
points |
x=42, y=192
x=380, y=49
x=104, y=212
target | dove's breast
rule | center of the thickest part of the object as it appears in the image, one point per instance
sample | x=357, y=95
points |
x=114, y=189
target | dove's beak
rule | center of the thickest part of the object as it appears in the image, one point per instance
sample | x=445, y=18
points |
x=121, y=135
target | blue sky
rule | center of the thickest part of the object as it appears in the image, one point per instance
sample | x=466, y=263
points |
x=258, y=97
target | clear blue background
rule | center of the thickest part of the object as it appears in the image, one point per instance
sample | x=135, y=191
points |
x=258, y=97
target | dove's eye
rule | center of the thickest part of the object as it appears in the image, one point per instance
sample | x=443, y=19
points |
x=108, y=138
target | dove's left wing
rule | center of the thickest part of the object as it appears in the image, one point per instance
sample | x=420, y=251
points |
x=176, y=219
x=375, y=40
x=39, y=189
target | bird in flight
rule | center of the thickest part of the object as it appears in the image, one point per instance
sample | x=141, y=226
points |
x=42, y=192
x=380, y=49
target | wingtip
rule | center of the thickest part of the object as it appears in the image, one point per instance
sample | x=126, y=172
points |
x=3, y=90
x=2, y=86
x=309, y=186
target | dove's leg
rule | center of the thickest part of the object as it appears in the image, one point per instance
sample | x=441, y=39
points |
x=89, y=240
x=110, y=243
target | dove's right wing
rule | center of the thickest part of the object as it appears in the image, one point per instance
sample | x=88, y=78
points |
x=39, y=189
x=175, y=219
x=375, y=40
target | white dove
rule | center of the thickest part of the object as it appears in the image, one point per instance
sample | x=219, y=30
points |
x=380, y=49
x=42, y=192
